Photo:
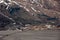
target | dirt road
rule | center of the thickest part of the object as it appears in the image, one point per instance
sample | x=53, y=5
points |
x=30, y=35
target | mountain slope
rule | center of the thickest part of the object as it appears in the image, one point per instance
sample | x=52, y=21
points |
x=34, y=12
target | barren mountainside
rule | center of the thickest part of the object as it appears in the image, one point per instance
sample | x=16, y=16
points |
x=33, y=12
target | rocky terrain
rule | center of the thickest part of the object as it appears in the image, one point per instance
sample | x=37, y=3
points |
x=21, y=13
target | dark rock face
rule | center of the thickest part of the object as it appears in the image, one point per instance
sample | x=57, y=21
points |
x=13, y=9
x=4, y=21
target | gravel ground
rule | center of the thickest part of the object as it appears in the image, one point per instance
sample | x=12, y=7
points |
x=30, y=35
